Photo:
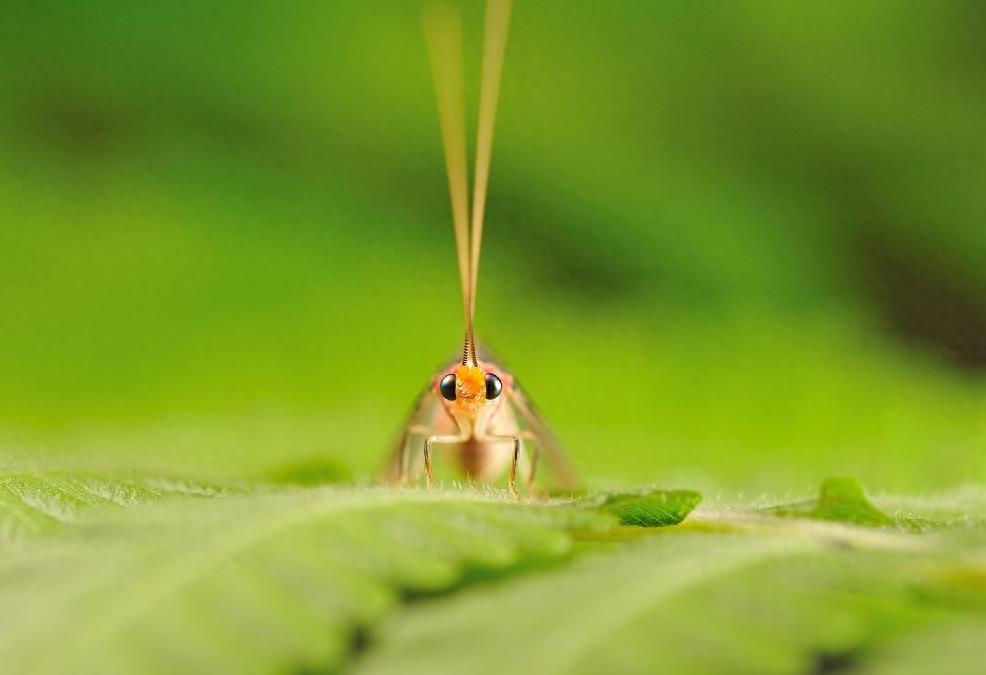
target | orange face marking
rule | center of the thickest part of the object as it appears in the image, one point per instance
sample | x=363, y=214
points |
x=470, y=385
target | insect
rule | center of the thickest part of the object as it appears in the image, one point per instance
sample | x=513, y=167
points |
x=473, y=408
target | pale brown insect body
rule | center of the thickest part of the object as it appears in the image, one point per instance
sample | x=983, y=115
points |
x=473, y=411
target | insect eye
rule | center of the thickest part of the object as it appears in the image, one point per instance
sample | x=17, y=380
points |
x=447, y=387
x=493, y=386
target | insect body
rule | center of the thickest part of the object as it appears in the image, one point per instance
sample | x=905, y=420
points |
x=473, y=405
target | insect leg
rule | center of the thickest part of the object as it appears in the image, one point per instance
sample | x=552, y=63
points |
x=535, y=456
x=405, y=450
x=462, y=437
x=420, y=421
x=515, y=440
x=557, y=461
x=511, y=479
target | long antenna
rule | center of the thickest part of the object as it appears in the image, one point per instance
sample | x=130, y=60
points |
x=496, y=26
x=443, y=33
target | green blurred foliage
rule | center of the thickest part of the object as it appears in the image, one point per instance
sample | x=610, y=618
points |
x=737, y=245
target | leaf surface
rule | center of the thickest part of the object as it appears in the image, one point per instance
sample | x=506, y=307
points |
x=258, y=583
x=647, y=508
x=840, y=500
x=775, y=598
x=38, y=501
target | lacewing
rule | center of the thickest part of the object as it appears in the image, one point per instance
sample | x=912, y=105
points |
x=473, y=409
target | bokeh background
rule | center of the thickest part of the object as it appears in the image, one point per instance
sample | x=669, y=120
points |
x=731, y=246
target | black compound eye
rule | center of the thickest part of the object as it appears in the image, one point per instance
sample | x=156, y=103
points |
x=447, y=387
x=493, y=386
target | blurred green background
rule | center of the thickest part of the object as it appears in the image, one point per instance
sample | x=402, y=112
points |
x=737, y=246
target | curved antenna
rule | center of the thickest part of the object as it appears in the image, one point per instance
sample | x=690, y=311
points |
x=443, y=33
x=496, y=25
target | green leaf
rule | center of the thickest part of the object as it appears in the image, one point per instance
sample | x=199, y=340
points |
x=37, y=501
x=649, y=508
x=258, y=583
x=690, y=602
x=841, y=500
